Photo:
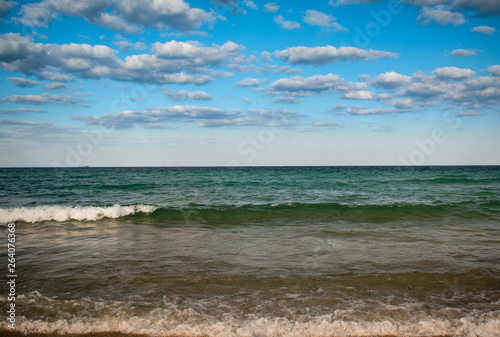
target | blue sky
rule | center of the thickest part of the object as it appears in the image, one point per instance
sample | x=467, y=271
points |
x=226, y=82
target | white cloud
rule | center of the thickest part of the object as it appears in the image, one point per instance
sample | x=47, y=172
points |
x=285, y=24
x=495, y=70
x=441, y=15
x=271, y=7
x=475, y=93
x=35, y=15
x=5, y=6
x=327, y=124
x=316, y=18
x=42, y=99
x=338, y=108
x=139, y=46
x=186, y=95
x=483, y=7
x=248, y=82
x=266, y=56
x=22, y=82
x=55, y=86
x=205, y=116
x=469, y=113
x=329, y=54
x=486, y=30
x=127, y=16
x=115, y=23
x=406, y=103
x=390, y=80
x=250, y=4
x=129, y=118
x=314, y=83
x=298, y=86
x=51, y=76
x=424, y=91
x=34, y=129
x=357, y=110
x=170, y=62
x=287, y=100
x=194, y=54
x=358, y=94
x=350, y=2
x=453, y=73
x=19, y=111
x=463, y=52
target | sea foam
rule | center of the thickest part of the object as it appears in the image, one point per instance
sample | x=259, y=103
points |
x=64, y=213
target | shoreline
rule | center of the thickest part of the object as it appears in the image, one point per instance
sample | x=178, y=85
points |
x=10, y=333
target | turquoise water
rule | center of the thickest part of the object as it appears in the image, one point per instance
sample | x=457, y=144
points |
x=293, y=251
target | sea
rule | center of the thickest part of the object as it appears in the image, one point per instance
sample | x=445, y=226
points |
x=252, y=251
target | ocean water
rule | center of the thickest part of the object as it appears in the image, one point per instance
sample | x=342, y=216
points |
x=292, y=251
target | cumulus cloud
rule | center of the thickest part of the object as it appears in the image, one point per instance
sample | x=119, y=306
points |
x=495, y=70
x=22, y=82
x=186, y=95
x=329, y=54
x=287, y=100
x=266, y=56
x=42, y=99
x=357, y=110
x=248, y=82
x=205, y=116
x=483, y=7
x=285, y=24
x=264, y=68
x=486, y=30
x=390, y=80
x=350, y=2
x=403, y=104
x=338, y=108
x=194, y=54
x=5, y=6
x=469, y=113
x=425, y=91
x=127, y=16
x=250, y=4
x=170, y=62
x=463, y=52
x=453, y=73
x=298, y=87
x=317, y=83
x=475, y=93
x=55, y=86
x=441, y=15
x=271, y=7
x=358, y=94
x=35, y=15
x=51, y=76
x=316, y=18
x=147, y=117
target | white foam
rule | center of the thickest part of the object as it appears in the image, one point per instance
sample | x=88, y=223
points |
x=170, y=320
x=64, y=213
x=160, y=323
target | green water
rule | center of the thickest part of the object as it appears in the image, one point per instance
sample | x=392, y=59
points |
x=314, y=251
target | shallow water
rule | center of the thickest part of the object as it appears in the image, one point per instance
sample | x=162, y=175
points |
x=256, y=251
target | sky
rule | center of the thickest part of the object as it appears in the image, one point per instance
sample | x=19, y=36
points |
x=249, y=83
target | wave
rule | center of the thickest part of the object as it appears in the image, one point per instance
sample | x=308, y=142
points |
x=65, y=213
x=88, y=317
x=252, y=213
